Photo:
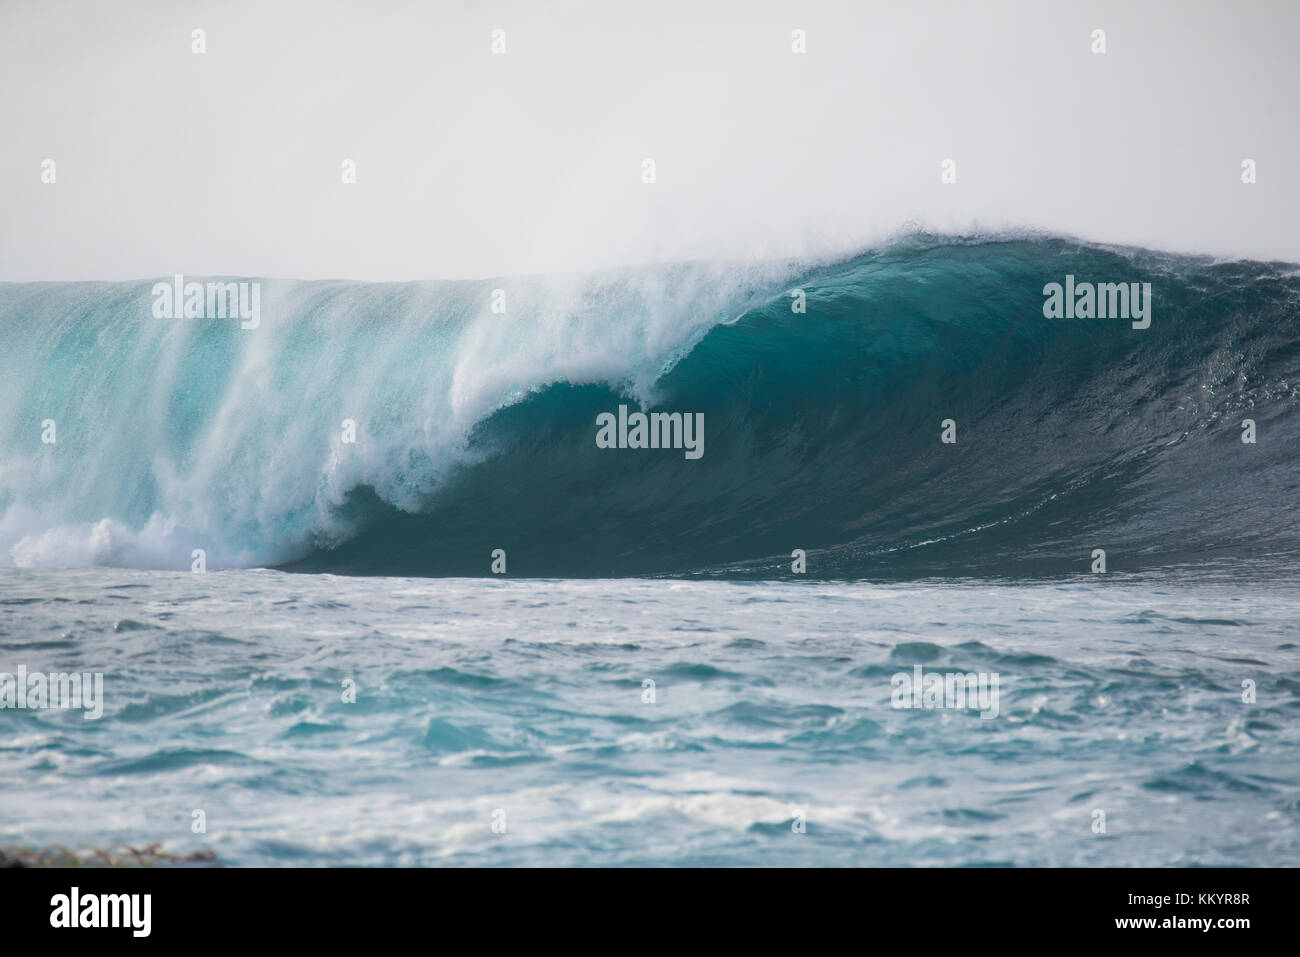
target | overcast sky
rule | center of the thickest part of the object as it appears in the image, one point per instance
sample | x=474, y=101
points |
x=472, y=164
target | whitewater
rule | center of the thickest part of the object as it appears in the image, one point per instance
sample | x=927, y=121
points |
x=480, y=701
x=475, y=429
x=681, y=661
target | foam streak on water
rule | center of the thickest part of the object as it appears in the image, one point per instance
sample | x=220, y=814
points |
x=224, y=694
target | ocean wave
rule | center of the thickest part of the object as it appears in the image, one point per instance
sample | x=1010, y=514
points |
x=475, y=429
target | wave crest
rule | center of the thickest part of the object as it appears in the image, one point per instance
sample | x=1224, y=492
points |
x=475, y=430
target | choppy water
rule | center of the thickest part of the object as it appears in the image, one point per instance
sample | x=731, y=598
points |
x=223, y=693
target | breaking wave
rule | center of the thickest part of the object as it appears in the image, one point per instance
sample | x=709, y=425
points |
x=475, y=429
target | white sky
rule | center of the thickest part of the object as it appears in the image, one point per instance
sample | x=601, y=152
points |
x=473, y=164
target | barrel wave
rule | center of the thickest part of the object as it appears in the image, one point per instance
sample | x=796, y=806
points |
x=475, y=426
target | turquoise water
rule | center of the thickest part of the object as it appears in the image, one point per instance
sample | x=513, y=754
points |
x=224, y=693
x=1125, y=728
x=476, y=430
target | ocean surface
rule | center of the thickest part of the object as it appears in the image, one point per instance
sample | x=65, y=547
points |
x=772, y=700
x=649, y=680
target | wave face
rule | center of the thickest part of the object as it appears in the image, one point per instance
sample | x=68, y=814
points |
x=476, y=430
